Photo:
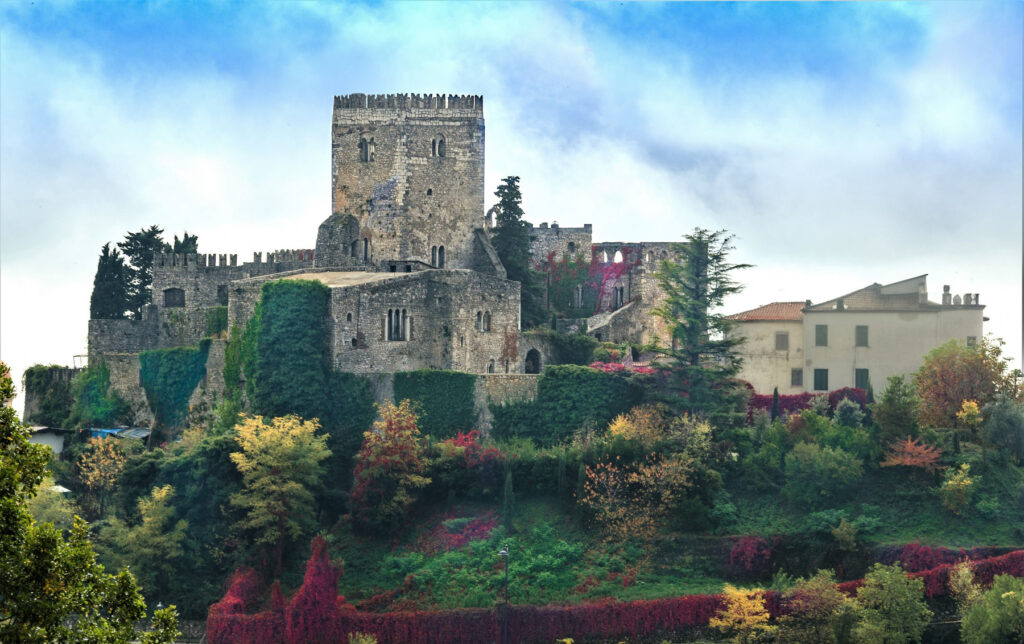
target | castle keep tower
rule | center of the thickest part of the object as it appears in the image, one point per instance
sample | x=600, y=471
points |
x=407, y=180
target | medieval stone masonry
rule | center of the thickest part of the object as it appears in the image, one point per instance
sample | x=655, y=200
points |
x=415, y=282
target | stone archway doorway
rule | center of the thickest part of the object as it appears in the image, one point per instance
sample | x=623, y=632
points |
x=533, y=361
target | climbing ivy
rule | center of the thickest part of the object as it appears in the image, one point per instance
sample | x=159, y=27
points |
x=568, y=397
x=233, y=364
x=52, y=389
x=284, y=350
x=169, y=376
x=96, y=405
x=216, y=320
x=445, y=400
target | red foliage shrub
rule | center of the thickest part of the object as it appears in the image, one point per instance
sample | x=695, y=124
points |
x=790, y=404
x=473, y=453
x=618, y=367
x=317, y=614
x=750, y=558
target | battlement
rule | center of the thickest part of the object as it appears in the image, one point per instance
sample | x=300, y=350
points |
x=555, y=229
x=201, y=260
x=409, y=102
x=284, y=255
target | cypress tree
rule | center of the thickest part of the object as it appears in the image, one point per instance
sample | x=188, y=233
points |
x=110, y=299
x=139, y=249
x=775, y=404
x=511, y=240
x=508, y=506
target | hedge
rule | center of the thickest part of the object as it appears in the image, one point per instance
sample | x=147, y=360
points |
x=317, y=614
x=169, y=376
x=568, y=397
x=444, y=400
x=795, y=403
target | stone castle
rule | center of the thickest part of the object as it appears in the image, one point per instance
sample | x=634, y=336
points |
x=415, y=282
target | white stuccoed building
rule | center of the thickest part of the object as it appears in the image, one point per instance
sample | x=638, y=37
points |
x=864, y=336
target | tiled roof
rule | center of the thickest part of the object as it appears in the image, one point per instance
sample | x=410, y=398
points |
x=775, y=311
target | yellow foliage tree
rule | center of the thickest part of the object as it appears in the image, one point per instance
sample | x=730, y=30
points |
x=970, y=417
x=633, y=500
x=99, y=467
x=743, y=614
x=957, y=488
x=654, y=425
x=280, y=463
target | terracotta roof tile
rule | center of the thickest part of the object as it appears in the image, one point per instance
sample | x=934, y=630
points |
x=775, y=311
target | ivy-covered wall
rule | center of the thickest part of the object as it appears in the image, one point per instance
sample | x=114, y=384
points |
x=444, y=398
x=284, y=352
x=568, y=397
x=169, y=376
x=48, y=396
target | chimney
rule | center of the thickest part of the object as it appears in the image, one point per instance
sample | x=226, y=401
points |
x=543, y=224
x=947, y=298
x=807, y=304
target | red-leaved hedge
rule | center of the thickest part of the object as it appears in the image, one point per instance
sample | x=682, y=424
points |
x=317, y=614
x=795, y=403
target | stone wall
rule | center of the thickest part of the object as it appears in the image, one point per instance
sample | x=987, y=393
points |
x=558, y=242
x=124, y=379
x=440, y=310
x=497, y=388
x=32, y=397
x=411, y=170
x=124, y=336
x=210, y=390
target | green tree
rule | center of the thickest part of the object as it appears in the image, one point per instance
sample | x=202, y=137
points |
x=896, y=413
x=138, y=249
x=51, y=506
x=280, y=463
x=45, y=579
x=1004, y=425
x=110, y=297
x=891, y=606
x=704, y=357
x=153, y=547
x=511, y=241
x=53, y=391
x=817, y=611
x=998, y=616
x=816, y=474
x=188, y=244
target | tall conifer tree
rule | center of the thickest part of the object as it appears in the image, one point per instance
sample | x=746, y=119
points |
x=109, y=299
x=139, y=249
x=511, y=240
x=704, y=357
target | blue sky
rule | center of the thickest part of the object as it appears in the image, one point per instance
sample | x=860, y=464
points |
x=843, y=143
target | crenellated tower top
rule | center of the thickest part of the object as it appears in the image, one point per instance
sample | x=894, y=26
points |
x=409, y=102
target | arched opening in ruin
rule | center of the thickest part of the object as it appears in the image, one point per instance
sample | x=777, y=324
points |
x=618, y=257
x=440, y=256
x=441, y=147
x=532, y=361
x=366, y=249
x=364, y=149
x=572, y=249
x=479, y=320
x=433, y=256
x=490, y=367
x=487, y=321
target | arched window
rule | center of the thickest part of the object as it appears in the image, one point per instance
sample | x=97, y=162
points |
x=479, y=320
x=404, y=335
x=618, y=257
x=579, y=296
x=572, y=249
x=430, y=192
x=433, y=255
x=532, y=361
x=355, y=248
x=490, y=367
x=604, y=257
x=487, y=321
x=371, y=150
x=441, y=147
x=364, y=149
x=174, y=297
x=366, y=249
x=433, y=148
x=440, y=256
x=348, y=317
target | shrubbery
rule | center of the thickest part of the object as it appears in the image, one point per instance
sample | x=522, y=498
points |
x=817, y=474
x=443, y=400
x=169, y=376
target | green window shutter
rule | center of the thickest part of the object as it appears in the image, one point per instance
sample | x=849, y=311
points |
x=860, y=378
x=862, y=335
x=821, y=335
x=821, y=379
